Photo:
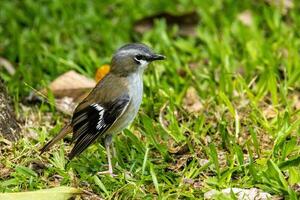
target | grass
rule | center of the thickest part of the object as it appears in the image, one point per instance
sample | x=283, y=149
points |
x=247, y=77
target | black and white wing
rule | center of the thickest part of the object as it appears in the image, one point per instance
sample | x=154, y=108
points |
x=94, y=120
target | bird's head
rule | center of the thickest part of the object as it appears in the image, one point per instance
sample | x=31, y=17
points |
x=132, y=58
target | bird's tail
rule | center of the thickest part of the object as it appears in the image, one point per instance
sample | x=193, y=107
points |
x=62, y=133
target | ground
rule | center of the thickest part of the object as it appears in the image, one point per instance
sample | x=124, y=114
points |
x=221, y=111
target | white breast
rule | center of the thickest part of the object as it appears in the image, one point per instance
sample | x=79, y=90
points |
x=136, y=95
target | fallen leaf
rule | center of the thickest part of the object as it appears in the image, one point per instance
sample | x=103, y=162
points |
x=186, y=22
x=71, y=84
x=246, y=18
x=58, y=193
x=69, y=89
x=7, y=65
x=191, y=101
x=241, y=194
x=101, y=72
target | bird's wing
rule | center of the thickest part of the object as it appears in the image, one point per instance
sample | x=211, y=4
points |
x=94, y=120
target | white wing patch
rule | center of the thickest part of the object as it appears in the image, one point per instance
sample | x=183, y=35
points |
x=98, y=107
x=101, y=110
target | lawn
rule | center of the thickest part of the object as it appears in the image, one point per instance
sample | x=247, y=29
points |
x=222, y=111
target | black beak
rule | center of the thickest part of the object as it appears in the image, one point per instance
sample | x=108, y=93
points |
x=154, y=57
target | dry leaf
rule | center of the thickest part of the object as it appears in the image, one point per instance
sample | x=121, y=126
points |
x=191, y=101
x=71, y=84
x=68, y=89
x=246, y=18
x=101, y=72
x=241, y=194
x=186, y=23
x=71, y=87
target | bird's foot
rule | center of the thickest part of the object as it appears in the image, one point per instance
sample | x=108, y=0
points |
x=107, y=172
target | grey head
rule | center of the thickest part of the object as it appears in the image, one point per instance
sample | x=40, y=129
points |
x=132, y=58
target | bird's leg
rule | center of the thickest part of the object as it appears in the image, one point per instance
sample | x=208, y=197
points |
x=114, y=153
x=107, y=142
x=110, y=169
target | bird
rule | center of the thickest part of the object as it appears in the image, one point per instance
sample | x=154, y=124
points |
x=112, y=105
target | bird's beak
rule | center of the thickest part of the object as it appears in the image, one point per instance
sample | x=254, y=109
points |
x=154, y=57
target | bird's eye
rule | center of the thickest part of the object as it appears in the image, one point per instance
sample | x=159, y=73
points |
x=139, y=57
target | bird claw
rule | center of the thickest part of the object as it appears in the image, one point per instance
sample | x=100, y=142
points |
x=107, y=172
